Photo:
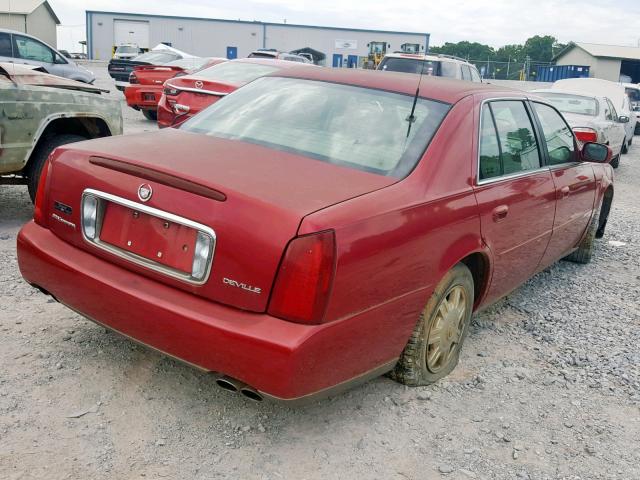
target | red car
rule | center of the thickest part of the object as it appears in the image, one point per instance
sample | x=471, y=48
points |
x=185, y=96
x=146, y=82
x=317, y=227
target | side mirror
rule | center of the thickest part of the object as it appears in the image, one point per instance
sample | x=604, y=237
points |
x=623, y=119
x=596, y=152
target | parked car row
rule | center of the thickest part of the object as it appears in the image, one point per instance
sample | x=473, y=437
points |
x=597, y=110
x=312, y=227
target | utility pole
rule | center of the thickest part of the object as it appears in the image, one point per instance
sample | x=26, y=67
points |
x=508, y=65
x=527, y=66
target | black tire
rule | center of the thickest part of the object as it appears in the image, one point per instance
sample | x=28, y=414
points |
x=39, y=157
x=150, y=115
x=413, y=367
x=585, y=250
x=604, y=215
x=615, y=163
x=637, y=130
x=625, y=147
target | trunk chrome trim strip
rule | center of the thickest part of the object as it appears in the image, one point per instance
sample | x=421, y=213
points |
x=137, y=259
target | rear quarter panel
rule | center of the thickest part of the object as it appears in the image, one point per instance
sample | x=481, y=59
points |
x=395, y=244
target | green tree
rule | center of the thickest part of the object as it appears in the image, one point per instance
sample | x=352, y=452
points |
x=540, y=49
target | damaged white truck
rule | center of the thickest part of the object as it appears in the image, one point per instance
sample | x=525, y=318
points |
x=39, y=112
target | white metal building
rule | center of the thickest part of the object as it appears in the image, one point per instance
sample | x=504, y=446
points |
x=608, y=62
x=235, y=38
x=35, y=17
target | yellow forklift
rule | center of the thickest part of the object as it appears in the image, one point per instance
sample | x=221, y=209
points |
x=377, y=51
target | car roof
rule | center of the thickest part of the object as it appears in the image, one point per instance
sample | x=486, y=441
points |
x=567, y=92
x=436, y=88
x=427, y=56
x=274, y=61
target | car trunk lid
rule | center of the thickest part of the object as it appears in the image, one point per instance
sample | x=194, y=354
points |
x=253, y=198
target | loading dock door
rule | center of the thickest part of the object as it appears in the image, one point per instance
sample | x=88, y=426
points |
x=130, y=31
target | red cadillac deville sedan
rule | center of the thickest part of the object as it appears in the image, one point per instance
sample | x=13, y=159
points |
x=185, y=96
x=317, y=227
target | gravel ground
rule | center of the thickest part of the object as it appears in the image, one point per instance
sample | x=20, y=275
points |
x=548, y=388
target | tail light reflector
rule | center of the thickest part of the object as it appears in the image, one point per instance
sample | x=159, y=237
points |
x=585, y=135
x=39, y=213
x=304, y=280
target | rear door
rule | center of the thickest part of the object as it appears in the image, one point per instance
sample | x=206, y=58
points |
x=574, y=182
x=616, y=130
x=515, y=194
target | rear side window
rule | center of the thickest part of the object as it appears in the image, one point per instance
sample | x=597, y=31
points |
x=557, y=135
x=475, y=76
x=5, y=45
x=466, y=73
x=449, y=69
x=507, y=126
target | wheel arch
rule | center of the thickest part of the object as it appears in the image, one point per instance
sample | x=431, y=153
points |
x=86, y=125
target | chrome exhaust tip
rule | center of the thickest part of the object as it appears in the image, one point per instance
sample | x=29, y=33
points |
x=230, y=384
x=251, y=394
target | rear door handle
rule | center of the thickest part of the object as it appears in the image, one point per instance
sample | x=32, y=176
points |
x=500, y=213
x=564, y=192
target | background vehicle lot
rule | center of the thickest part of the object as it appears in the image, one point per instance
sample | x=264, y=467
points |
x=548, y=387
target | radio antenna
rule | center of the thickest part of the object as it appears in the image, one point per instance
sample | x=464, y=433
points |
x=412, y=118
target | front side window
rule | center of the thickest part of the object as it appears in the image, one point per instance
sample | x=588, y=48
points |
x=557, y=135
x=511, y=130
x=613, y=115
x=30, y=49
x=355, y=127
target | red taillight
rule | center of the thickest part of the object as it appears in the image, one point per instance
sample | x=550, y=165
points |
x=132, y=78
x=585, y=135
x=41, y=195
x=304, y=280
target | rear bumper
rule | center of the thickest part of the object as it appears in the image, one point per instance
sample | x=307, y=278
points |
x=280, y=359
x=167, y=117
x=143, y=97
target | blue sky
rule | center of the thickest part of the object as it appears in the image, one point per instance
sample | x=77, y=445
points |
x=495, y=22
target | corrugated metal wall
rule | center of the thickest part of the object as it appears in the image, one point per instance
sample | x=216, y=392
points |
x=204, y=37
x=41, y=24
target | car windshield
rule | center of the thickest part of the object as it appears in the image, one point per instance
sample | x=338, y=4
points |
x=410, y=65
x=127, y=49
x=568, y=103
x=357, y=127
x=157, y=57
x=236, y=73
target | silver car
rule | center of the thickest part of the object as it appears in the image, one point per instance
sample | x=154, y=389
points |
x=593, y=119
x=17, y=47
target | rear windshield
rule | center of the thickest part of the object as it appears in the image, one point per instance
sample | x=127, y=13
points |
x=127, y=49
x=410, y=65
x=157, y=57
x=569, y=103
x=262, y=55
x=236, y=73
x=356, y=127
x=188, y=63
